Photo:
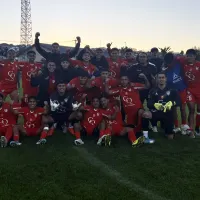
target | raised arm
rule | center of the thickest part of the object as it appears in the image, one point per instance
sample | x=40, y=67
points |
x=74, y=51
x=41, y=51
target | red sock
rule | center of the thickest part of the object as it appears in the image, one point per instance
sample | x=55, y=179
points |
x=50, y=133
x=108, y=131
x=184, y=122
x=176, y=124
x=102, y=132
x=43, y=135
x=77, y=134
x=198, y=120
x=71, y=130
x=9, y=133
x=16, y=137
x=131, y=136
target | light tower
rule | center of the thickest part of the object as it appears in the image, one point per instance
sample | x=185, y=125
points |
x=26, y=23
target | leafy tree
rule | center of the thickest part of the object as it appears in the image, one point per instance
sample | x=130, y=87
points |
x=165, y=50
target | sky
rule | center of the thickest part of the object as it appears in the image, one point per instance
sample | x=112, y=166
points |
x=141, y=24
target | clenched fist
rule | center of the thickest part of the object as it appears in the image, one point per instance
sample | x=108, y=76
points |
x=37, y=35
x=78, y=39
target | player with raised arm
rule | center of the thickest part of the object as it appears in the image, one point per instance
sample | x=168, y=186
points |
x=131, y=103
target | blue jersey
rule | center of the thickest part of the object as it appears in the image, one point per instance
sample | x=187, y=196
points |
x=175, y=77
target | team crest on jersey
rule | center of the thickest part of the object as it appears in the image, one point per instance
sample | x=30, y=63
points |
x=162, y=97
x=35, y=115
x=66, y=100
x=5, y=110
x=53, y=81
x=93, y=115
x=197, y=68
x=97, y=114
x=126, y=93
x=168, y=93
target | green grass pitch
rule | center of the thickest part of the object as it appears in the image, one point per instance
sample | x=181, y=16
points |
x=166, y=170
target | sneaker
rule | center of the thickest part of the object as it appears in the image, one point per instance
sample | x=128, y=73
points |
x=149, y=141
x=154, y=129
x=108, y=140
x=177, y=130
x=190, y=133
x=41, y=141
x=101, y=140
x=184, y=129
x=78, y=142
x=138, y=142
x=197, y=131
x=3, y=142
x=15, y=143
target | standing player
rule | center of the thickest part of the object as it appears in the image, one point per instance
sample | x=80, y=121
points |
x=7, y=121
x=33, y=122
x=175, y=80
x=8, y=76
x=27, y=69
x=192, y=77
x=155, y=59
x=142, y=67
x=115, y=125
x=132, y=105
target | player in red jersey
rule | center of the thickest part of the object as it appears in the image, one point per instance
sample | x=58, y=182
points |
x=27, y=68
x=7, y=121
x=192, y=74
x=115, y=63
x=8, y=76
x=115, y=125
x=132, y=105
x=85, y=63
x=92, y=120
x=34, y=122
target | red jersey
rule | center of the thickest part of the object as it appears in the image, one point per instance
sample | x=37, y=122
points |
x=130, y=95
x=81, y=90
x=8, y=74
x=32, y=119
x=98, y=82
x=115, y=67
x=192, y=74
x=109, y=112
x=52, y=84
x=27, y=68
x=89, y=68
x=92, y=117
x=6, y=115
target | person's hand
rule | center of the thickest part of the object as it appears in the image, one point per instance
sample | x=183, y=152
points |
x=37, y=35
x=147, y=114
x=78, y=39
x=158, y=106
x=143, y=76
x=109, y=45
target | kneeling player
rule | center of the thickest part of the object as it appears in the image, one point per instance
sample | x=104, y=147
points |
x=115, y=125
x=92, y=120
x=33, y=122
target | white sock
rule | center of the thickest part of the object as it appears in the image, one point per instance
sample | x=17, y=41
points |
x=145, y=133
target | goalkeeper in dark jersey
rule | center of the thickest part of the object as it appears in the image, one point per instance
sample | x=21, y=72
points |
x=161, y=102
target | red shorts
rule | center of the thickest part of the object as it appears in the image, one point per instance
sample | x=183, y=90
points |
x=3, y=130
x=132, y=115
x=117, y=129
x=31, y=131
x=193, y=95
x=183, y=96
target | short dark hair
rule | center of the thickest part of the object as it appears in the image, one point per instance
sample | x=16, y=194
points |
x=29, y=52
x=32, y=97
x=55, y=43
x=169, y=57
x=128, y=50
x=191, y=51
x=154, y=49
x=114, y=49
x=162, y=73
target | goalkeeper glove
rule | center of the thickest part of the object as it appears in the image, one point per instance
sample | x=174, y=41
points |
x=168, y=105
x=76, y=106
x=158, y=106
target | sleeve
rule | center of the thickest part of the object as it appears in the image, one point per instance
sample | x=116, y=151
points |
x=72, y=84
x=41, y=51
x=115, y=91
x=138, y=86
x=151, y=99
x=75, y=62
x=73, y=53
x=21, y=65
x=21, y=110
x=86, y=108
x=41, y=111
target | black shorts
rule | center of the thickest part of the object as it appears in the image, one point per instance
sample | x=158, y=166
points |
x=166, y=119
x=60, y=118
x=144, y=95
